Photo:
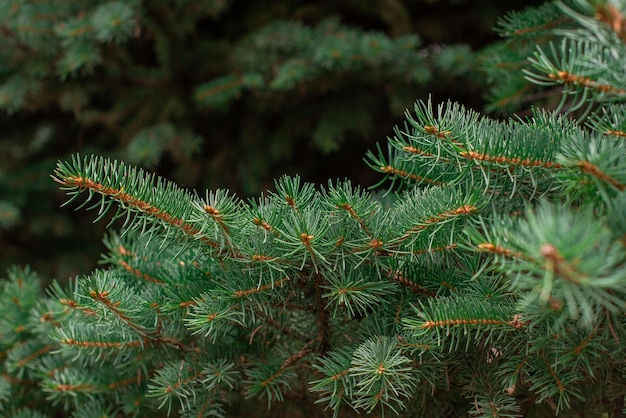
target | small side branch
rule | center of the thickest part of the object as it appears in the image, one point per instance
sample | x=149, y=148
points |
x=509, y=161
x=569, y=78
x=592, y=169
x=133, y=202
x=402, y=173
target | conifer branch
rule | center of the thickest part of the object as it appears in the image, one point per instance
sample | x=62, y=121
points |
x=592, y=169
x=499, y=250
x=137, y=272
x=101, y=344
x=508, y=161
x=444, y=323
x=615, y=133
x=582, y=81
x=247, y=292
x=531, y=22
x=35, y=355
x=404, y=174
x=213, y=89
x=400, y=278
x=133, y=202
x=442, y=217
x=86, y=388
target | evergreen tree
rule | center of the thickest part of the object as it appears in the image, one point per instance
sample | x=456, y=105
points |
x=490, y=280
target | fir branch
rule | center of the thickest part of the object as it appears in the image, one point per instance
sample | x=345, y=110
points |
x=137, y=272
x=615, y=133
x=176, y=380
x=566, y=77
x=260, y=289
x=428, y=213
x=480, y=145
x=354, y=291
x=440, y=217
x=541, y=254
x=399, y=277
x=205, y=92
x=404, y=174
x=462, y=322
x=500, y=250
x=114, y=181
x=508, y=161
x=269, y=379
x=337, y=385
x=413, y=150
x=24, y=361
x=532, y=21
x=100, y=344
x=127, y=199
x=451, y=318
x=609, y=120
x=383, y=375
x=592, y=169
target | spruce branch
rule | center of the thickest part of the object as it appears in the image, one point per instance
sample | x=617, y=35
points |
x=478, y=147
x=337, y=386
x=577, y=272
x=610, y=121
x=451, y=321
x=532, y=21
x=356, y=292
x=383, y=375
x=136, y=192
x=121, y=254
x=187, y=377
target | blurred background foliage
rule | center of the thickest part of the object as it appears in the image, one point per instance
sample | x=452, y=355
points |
x=213, y=94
